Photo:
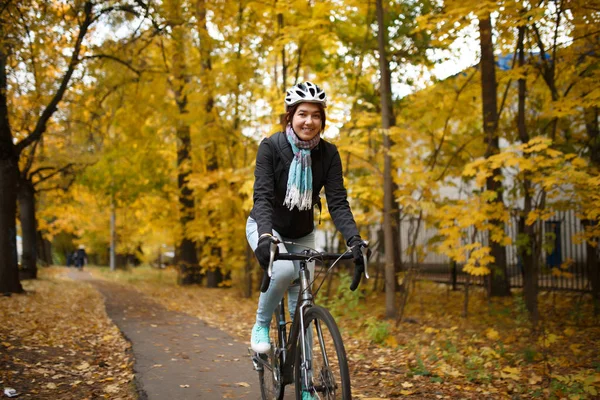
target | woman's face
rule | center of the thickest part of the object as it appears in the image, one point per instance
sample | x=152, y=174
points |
x=307, y=121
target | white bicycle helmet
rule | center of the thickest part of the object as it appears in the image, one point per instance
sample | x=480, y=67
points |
x=306, y=92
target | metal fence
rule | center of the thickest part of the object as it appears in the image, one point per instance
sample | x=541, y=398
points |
x=563, y=264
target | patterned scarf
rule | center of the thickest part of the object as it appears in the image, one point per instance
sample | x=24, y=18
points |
x=300, y=180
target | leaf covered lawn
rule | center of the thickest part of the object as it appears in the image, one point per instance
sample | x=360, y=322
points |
x=56, y=342
x=435, y=353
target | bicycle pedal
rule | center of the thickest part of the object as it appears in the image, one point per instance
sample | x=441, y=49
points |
x=254, y=357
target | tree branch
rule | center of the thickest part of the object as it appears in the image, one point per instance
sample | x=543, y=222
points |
x=438, y=149
x=42, y=123
x=53, y=174
x=125, y=7
x=38, y=171
x=30, y=159
x=116, y=59
x=58, y=187
x=454, y=155
x=506, y=90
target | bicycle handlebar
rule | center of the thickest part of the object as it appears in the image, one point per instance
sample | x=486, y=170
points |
x=313, y=256
x=310, y=256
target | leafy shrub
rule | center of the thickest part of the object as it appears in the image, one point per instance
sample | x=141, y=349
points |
x=344, y=302
x=377, y=331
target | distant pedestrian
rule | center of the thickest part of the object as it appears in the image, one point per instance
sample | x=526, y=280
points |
x=80, y=257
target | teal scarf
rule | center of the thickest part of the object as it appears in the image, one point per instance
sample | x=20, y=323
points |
x=300, y=180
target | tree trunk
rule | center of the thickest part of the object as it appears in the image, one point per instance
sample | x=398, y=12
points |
x=593, y=266
x=387, y=121
x=592, y=126
x=280, y=24
x=592, y=247
x=396, y=234
x=9, y=174
x=586, y=46
x=9, y=270
x=113, y=237
x=189, y=270
x=529, y=252
x=44, y=249
x=593, y=250
x=214, y=275
x=499, y=285
x=26, y=199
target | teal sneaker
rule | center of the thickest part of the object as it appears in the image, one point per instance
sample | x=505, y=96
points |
x=307, y=396
x=259, y=341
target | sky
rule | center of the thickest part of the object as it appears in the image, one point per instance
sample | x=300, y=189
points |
x=462, y=54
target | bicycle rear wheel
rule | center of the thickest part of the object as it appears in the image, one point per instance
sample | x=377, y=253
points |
x=325, y=372
x=269, y=377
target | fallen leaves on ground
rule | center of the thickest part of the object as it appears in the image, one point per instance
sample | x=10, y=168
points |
x=435, y=353
x=56, y=342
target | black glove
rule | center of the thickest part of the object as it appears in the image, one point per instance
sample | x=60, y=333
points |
x=357, y=244
x=263, y=250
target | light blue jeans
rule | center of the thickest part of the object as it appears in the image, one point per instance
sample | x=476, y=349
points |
x=284, y=273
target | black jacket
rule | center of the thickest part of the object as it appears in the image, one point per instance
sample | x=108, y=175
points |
x=271, y=175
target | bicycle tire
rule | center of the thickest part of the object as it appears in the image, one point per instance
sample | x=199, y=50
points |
x=330, y=379
x=271, y=387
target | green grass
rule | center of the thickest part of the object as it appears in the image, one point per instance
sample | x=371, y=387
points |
x=141, y=274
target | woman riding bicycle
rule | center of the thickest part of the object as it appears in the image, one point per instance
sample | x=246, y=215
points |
x=291, y=169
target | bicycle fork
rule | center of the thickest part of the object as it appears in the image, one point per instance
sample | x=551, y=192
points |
x=306, y=300
x=306, y=360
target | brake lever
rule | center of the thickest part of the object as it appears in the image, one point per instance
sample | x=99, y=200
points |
x=273, y=251
x=365, y=252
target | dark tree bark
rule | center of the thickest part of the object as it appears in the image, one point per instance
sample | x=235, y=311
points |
x=593, y=250
x=593, y=266
x=35, y=248
x=592, y=126
x=499, y=285
x=189, y=270
x=44, y=249
x=26, y=200
x=186, y=252
x=396, y=235
x=529, y=252
x=214, y=276
x=9, y=175
x=387, y=121
x=586, y=45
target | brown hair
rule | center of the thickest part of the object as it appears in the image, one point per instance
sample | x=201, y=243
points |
x=289, y=115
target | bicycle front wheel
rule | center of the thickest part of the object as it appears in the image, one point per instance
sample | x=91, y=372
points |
x=269, y=377
x=322, y=369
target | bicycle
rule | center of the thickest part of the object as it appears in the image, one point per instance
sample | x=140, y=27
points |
x=297, y=358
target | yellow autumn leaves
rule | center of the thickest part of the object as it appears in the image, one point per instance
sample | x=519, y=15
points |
x=60, y=343
x=565, y=179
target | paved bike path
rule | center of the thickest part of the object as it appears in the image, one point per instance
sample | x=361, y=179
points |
x=177, y=356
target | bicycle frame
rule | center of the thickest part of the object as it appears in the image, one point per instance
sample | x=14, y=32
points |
x=285, y=350
x=288, y=344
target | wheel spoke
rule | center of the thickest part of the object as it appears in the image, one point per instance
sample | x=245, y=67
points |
x=328, y=376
